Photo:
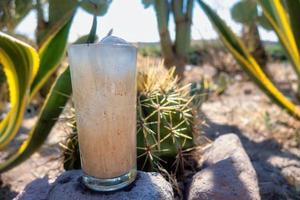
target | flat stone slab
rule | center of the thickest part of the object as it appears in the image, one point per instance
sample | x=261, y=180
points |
x=148, y=186
x=227, y=173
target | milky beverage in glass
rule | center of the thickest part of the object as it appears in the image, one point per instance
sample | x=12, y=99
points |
x=104, y=92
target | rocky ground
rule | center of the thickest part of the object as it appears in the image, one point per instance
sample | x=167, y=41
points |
x=270, y=137
x=46, y=162
x=272, y=145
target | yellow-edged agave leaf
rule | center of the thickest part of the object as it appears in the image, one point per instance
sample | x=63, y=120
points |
x=26, y=75
x=20, y=63
x=51, y=53
x=278, y=18
x=53, y=106
x=247, y=62
x=293, y=8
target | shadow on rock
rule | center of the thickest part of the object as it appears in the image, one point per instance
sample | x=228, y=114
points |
x=269, y=161
x=221, y=181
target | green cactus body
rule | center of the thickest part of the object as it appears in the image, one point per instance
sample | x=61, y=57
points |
x=164, y=128
x=164, y=123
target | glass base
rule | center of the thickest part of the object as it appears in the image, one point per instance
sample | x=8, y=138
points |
x=109, y=184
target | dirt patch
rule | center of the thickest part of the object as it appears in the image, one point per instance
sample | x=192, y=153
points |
x=269, y=135
x=45, y=162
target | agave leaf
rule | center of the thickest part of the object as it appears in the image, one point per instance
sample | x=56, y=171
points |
x=52, y=108
x=247, y=62
x=51, y=53
x=276, y=14
x=263, y=22
x=24, y=75
x=294, y=16
x=54, y=104
x=20, y=73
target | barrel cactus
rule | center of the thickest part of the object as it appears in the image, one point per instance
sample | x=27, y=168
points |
x=164, y=119
x=164, y=122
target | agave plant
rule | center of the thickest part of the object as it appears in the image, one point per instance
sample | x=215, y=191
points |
x=164, y=122
x=25, y=76
x=246, y=12
x=27, y=71
x=283, y=16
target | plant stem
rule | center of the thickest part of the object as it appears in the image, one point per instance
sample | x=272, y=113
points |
x=92, y=34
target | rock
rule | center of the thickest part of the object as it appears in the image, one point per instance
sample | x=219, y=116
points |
x=277, y=169
x=67, y=186
x=227, y=173
x=37, y=189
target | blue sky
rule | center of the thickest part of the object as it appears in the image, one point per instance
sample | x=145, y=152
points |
x=132, y=22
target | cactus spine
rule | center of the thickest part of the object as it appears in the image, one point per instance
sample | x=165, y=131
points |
x=164, y=122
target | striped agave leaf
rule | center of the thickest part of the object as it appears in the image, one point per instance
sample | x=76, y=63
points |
x=56, y=100
x=26, y=72
x=247, y=61
x=279, y=19
x=20, y=63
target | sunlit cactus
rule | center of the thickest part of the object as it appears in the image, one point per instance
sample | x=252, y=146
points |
x=164, y=122
x=164, y=119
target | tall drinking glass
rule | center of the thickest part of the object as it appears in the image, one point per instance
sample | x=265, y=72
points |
x=104, y=91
